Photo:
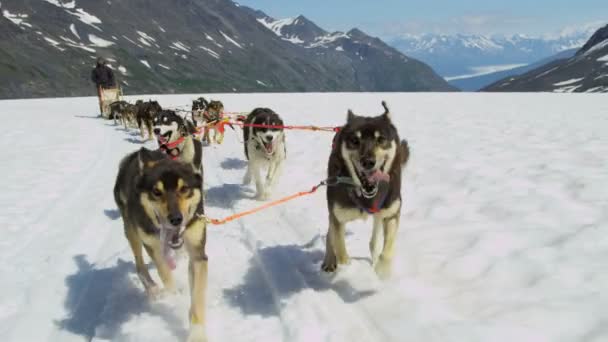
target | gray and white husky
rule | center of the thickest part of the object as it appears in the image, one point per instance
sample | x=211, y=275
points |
x=264, y=149
x=369, y=154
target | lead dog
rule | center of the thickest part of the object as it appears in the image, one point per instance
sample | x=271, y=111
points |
x=264, y=148
x=369, y=153
x=159, y=199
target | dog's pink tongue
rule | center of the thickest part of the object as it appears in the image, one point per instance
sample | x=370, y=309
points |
x=168, y=252
x=170, y=258
x=379, y=176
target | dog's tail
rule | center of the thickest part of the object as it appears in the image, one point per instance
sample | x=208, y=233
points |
x=404, y=152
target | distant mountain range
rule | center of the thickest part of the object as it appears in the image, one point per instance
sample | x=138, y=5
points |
x=586, y=71
x=48, y=47
x=468, y=61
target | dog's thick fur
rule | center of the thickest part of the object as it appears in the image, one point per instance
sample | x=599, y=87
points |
x=211, y=117
x=366, y=149
x=264, y=147
x=158, y=199
x=125, y=112
x=199, y=106
x=146, y=112
x=169, y=128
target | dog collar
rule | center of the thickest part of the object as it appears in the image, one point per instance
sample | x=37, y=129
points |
x=377, y=201
x=172, y=149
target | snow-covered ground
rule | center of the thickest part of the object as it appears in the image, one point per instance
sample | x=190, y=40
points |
x=502, y=237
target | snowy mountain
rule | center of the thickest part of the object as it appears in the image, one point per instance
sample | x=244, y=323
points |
x=373, y=61
x=47, y=48
x=586, y=71
x=461, y=54
x=502, y=233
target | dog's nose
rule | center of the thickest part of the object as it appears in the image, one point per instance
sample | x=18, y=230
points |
x=176, y=219
x=368, y=163
x=157, y=131
x=269, y=138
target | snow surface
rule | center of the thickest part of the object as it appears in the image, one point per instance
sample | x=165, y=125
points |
x=180, y=46
x=567, y=82
x=230, y=40
x=69, y=5
x=100, y=42
x=16, y=18
x=53, y=43
x=72, y=43
x=211, y=52
x=323, y=41
x=74, y=31
x=502, y=236
x=86, y=17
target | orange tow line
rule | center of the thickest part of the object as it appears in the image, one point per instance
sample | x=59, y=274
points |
x=265, y=206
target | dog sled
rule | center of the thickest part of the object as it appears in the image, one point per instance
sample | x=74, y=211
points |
x=106, y=98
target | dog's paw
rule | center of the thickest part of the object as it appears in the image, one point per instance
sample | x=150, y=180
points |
x=262, y=196
x=383, y=268
x=154, y=293
x=197, y=333
x=329, y=267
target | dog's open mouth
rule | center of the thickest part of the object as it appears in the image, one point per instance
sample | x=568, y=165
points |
x=170, y=240
x=163, y=138
x=268, y=147
x=370, y=179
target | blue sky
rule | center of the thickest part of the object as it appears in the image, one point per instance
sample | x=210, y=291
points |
x=387, y=18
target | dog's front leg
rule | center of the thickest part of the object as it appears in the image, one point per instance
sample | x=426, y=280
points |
x=136, y=245
x=195, y=237
x=164, y=271
x=335, y=249
x=384, y=265
x=254, y=168
x=274, y=172
x=374, y=242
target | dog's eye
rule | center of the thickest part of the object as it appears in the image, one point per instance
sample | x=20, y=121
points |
x=184, y=190
x=354, y=141
x=156, y=192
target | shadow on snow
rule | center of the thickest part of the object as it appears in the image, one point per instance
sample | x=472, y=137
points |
x=279, y=272
x=100, y=300
x=233, y=164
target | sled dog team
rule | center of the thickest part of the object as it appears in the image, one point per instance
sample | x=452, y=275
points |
x=161, y=201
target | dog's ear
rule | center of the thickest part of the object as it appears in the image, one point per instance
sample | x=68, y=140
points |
x=147, y=158
x=387, y=112
x=350, y=116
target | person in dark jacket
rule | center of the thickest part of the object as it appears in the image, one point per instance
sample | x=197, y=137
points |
x=102, y=75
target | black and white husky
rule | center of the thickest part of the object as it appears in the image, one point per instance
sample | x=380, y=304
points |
x=175, y=137
x=264, y=148
x=369, y=154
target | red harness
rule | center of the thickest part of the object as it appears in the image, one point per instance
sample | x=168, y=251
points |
x=171, y=148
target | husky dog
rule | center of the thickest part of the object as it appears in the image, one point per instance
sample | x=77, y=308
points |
x=159, y=199
x=145, y=116
x=211, y=117
x=264, y=147
x=123, y=111
x=198, y=109
x=367, y=151
x=175, y=137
